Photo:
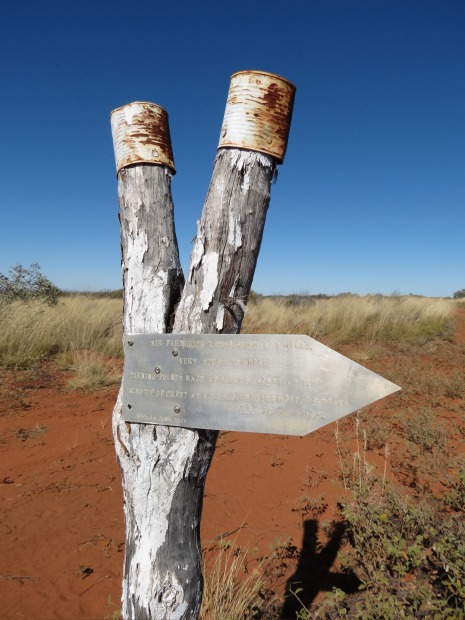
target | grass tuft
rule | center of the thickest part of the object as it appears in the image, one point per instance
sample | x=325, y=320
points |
x=92, y=371
x=231, y=589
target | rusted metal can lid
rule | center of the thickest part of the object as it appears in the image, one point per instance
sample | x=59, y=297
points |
x=141, y=134
x=258, y=113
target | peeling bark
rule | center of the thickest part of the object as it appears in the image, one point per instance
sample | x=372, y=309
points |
x=227, y=244
x=164, y=468
x=153, y=280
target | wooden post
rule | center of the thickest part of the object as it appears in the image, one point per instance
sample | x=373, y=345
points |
x=164, y=468
x=153, y=280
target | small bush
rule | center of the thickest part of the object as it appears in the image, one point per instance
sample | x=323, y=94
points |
x=459, y=294
x=23, y=284
x=409, y=558
x=408, y=555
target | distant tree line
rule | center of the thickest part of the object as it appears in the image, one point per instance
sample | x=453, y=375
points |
x=28, y=284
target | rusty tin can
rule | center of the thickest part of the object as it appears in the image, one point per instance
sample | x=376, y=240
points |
x=258, y=113
x=141, y=134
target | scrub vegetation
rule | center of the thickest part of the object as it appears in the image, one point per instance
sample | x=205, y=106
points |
x=406, y=546
x=351, y=318
x=32, y=329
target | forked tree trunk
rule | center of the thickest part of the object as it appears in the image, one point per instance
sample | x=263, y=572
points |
x=164, y=468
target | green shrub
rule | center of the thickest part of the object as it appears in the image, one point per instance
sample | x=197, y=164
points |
x=409, y=555
x=23, y=284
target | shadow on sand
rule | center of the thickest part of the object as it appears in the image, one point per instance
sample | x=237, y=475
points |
x=313, y=574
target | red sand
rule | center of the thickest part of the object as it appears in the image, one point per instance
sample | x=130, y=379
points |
x=62, y=519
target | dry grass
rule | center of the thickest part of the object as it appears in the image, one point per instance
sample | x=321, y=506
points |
x=31, y=331
x=230, y=590
x=350, y=318
x=92, y=371
x=84, y=333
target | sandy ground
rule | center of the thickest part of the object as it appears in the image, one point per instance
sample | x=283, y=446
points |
x=61, y=524
x=62, y=520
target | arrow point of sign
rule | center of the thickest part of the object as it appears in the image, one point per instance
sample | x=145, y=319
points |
x=352, y=386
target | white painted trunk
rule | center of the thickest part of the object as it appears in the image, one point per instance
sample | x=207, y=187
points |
x=152, y=280
x=164, y=468
x=227, y=243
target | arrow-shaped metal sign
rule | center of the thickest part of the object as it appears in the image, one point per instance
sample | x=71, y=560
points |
x=289, y=385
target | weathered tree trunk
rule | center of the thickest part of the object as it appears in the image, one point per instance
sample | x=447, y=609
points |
x=153, y=280
x=164, y=468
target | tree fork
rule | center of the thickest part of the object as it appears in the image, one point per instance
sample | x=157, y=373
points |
x=164, y=468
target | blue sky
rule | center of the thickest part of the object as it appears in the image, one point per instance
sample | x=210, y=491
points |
x=371, y=196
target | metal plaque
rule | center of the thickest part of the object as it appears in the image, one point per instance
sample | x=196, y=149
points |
x=258, y=383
